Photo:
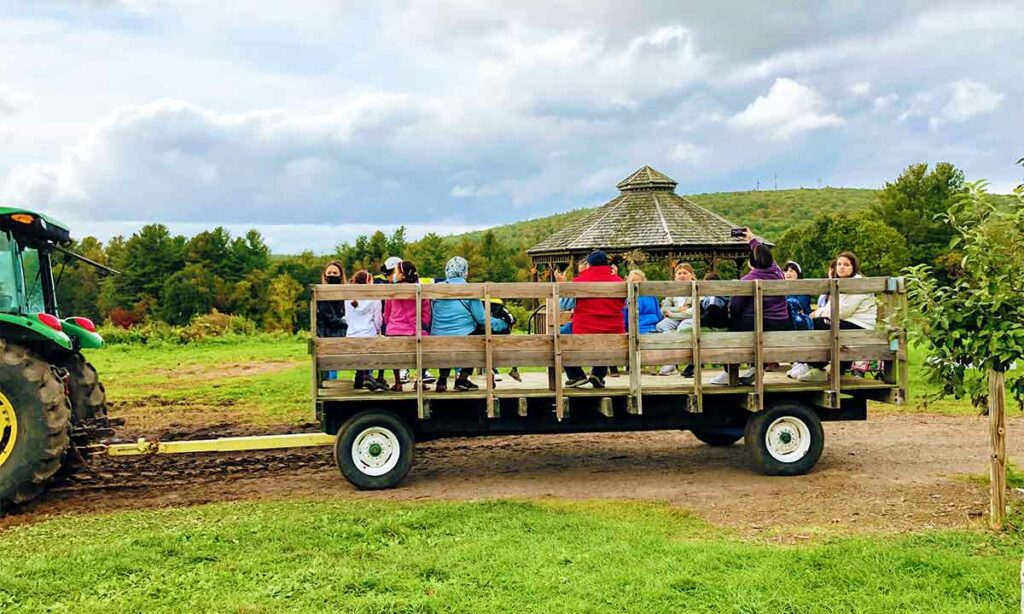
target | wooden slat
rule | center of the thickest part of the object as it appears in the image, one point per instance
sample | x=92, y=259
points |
x=634, y=354
x=665, y=288
x=365, y=345
x=666, y=357
x=698, y=382
x=420, y=409
x=488, y=353
x=523, y=350
x=759, y=344
x=453, y=291
x=363, y=291
x=591, y=289
x=557, y=345
x=520, y=290
x=836, y=374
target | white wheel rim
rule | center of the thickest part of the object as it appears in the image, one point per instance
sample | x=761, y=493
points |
x=788, y=439
x=375, y=451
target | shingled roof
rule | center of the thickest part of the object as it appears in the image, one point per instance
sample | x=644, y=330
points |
x=647, y=215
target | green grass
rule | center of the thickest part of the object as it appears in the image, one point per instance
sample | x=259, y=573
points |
x=357, y=556
x=211, y=374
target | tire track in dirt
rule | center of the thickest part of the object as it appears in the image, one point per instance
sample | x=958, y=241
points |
x=895, y=472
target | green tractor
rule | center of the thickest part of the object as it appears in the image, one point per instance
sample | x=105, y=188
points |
x=52, y=404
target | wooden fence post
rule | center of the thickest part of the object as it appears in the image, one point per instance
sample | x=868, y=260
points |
x=997, y=448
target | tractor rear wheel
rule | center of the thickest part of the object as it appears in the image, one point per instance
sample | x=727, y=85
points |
x=34, y=424
x=88, y=408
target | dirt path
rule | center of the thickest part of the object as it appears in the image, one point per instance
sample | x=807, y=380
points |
x=892, y=473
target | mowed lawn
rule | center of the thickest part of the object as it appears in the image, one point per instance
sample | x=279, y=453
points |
x=506, y=556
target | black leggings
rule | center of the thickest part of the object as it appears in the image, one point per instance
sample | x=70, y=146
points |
x=746, y=323
x=826, y=324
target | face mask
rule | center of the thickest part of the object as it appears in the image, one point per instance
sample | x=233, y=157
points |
x=334, y=279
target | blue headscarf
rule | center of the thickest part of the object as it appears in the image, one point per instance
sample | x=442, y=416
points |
x=456, y=267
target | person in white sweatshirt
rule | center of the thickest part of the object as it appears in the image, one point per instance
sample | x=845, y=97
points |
x=364, y=320
x=677, y=311
x=856, y=311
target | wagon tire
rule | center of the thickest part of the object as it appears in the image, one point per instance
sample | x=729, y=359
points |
x=374, y=450
x=785, y=439
x=718, y=438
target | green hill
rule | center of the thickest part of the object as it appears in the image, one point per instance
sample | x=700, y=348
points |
x=769, y=213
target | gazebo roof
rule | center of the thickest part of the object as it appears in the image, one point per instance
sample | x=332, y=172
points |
x=647, y=215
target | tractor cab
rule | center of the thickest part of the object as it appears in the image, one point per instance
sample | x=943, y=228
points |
x=28, y=302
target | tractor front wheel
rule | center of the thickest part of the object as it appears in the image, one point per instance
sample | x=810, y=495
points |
x=34, y=424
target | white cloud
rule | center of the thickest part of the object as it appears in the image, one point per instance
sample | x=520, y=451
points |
x=787, y=109
x=881, y=103
x=953, y=103
x=861, y=88
x=970, y=99
x=686, y=152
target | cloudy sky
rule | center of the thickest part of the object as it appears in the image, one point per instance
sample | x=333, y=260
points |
x=316, y=120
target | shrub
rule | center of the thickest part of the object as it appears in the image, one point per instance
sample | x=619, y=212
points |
x=217, y=324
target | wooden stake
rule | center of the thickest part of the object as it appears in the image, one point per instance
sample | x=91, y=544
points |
x=557, y=343
x=633, y=312
x=997, y=448
x=488, y=355
x=420, y=409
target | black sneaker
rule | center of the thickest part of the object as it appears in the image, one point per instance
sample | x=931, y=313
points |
x=688, y=371
x=514, y=374
x=596, y=381
x=576, y=383
x=428, y=378
x=463, y=385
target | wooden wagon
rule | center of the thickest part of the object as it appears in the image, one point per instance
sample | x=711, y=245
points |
x=779, y=418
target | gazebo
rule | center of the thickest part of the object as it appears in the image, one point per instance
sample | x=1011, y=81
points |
x=647, y=217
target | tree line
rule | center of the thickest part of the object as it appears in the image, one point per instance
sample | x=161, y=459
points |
x=173, y=278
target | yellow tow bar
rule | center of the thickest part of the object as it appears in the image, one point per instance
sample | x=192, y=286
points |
x=223, y=444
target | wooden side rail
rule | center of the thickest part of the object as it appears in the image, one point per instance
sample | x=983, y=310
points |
x=555, y=351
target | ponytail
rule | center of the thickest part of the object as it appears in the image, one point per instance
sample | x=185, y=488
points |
x=361, y=277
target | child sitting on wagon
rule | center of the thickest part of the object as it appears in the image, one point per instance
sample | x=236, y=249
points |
x=400, y=313
x=364, y=320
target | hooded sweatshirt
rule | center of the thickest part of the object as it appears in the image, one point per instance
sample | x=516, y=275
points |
x=775, y=307
x=364, y=320
x=594, y=316
x=400, y=316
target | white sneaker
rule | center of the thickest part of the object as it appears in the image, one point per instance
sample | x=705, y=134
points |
x=748, y=374
x=722, y=379
x=798, y=369
x=667, y=370
x=813, y=375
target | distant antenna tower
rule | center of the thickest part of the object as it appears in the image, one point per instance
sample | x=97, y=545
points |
x=776, y=177
x=757, y=188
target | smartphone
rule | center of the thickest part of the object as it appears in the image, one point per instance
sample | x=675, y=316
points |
x=738, y=232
